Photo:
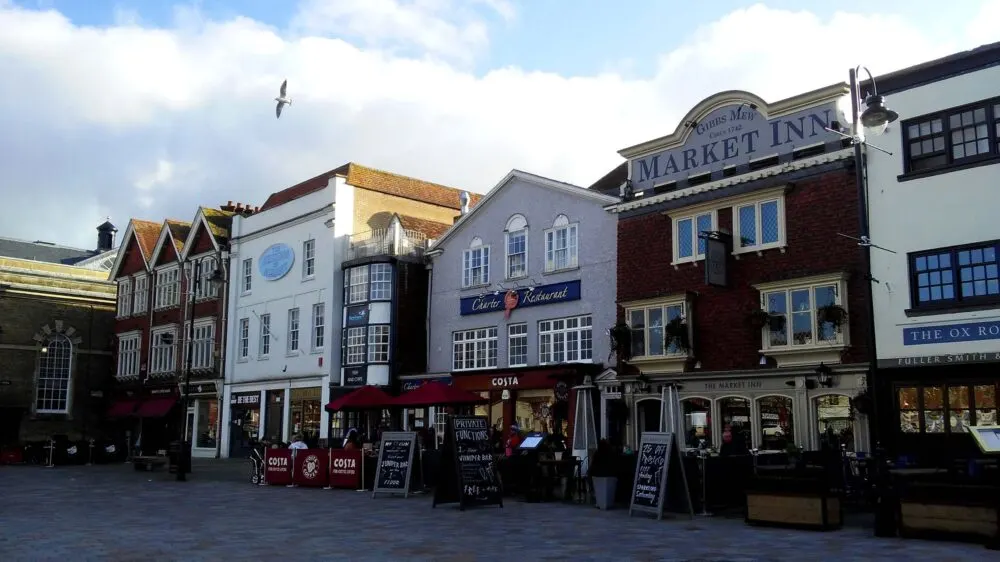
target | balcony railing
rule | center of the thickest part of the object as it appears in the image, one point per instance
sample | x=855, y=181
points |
x=387, y=242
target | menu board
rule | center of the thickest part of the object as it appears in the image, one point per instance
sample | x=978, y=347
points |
x=469, y=477
x=652, y=468
x=395, y=460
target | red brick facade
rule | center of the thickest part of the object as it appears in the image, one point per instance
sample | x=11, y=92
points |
x=816, y=210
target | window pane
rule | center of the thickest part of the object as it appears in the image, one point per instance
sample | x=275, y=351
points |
x=704, y=225
x=802, y=317
x=638, y=323
x=697, y=416
x=684, y=242
x=777, y=306
x=909, y=422
x=775, y=423
x=833, y=421
x=958, y=397
x=769, y=222
x=736, y=436
x=656, y=331
x=748, y=226
x=986, y=396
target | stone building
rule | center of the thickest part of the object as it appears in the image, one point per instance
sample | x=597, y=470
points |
x=56, y=322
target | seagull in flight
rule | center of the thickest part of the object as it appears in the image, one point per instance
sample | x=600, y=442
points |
x=282, y=99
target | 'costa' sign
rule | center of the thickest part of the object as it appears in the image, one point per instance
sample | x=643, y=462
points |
x=278, y=461
x=504, y=381
x=345, y=463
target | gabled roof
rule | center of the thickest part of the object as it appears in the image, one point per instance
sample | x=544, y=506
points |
x=363, y=177
x=43, y=251
x=533, y=179
x=431, y=229
x=217, y=224
x=145, y=234
x=174, y=232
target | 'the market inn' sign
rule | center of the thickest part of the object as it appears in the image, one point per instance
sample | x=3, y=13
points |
x=520, y=298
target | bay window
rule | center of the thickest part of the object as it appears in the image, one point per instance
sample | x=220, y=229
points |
x=806, y=319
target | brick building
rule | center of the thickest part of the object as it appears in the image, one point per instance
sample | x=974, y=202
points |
x=171, y=279
x=768, y=347
x=56, y=317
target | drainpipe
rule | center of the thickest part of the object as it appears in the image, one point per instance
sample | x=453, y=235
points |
x=427, y=316
x=222, y=339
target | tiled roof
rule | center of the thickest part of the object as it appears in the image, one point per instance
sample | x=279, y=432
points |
x=146, y=233
x=220, y=222
x=371, y=179
x=179, y=230
x=431, y=229
x=612, y=181
x=43, y=251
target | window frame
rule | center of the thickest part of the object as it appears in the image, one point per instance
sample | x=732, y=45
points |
x=484, y=260
x=491, y=337
x=646, y=307
x=580, y=330
x=128, y=359
x=246, y=276
x=309, y=259
x=757, y=203
x=992, y=122
x=386, y=284
x=202, y=348
x=55, y=365
x=572, y=244
x=675, y=230
x=243, y=339
x=140, y=296
x=797, y=353
x=511, y=336
x=517, y=225
x=170, y=291
x=292, y=343
x=958, y=302
x=355, y=345
x=381, y=347
x=264, y=336
x=363, y=286
x=124, y=298
x=974, y=409
x=317, y=332
x=162, y=355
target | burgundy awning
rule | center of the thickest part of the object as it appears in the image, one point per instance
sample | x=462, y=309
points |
x=365, y=398
x=156, y=407
x=122, y=408
x=437, y=393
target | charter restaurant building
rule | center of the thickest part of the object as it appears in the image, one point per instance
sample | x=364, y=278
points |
x=733, y=283
x=522, y=295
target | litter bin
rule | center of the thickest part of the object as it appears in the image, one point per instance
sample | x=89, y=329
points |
x=179, y=453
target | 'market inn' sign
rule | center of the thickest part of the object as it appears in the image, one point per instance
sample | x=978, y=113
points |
x=732, y=135
x=521, y=298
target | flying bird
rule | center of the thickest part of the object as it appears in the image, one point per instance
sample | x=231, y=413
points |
x=282, y=99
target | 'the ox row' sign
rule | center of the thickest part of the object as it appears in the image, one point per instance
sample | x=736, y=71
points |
x=731, y=135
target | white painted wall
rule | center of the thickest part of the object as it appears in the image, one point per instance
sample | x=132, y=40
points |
x=947, y=209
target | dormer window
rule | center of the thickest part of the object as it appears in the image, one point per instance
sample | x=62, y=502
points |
x=517, y=247
x=476, y=264
x=561, y=246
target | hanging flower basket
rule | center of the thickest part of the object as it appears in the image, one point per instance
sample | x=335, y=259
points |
x=863, y=403
x=621, y=341
x=775, y=323
x=759, y=318
x=676, y=332
x=832, y=313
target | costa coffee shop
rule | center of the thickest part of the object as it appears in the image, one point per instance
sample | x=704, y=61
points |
x=522, y=294
x=733, y=282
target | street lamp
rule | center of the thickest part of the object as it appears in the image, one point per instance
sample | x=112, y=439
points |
x=875, y=115
x=184, y=454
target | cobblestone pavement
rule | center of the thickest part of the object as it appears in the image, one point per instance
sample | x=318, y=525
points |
x=115, y=513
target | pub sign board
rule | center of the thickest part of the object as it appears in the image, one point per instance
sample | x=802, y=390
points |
x=731, y=135
x=658, y=453
x=470, y=476
x=395, y=463
x=520, y=298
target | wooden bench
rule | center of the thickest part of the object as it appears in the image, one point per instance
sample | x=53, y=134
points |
x=148, y=463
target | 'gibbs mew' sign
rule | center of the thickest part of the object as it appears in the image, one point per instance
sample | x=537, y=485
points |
x=545, y=294
x=275, y=262
x=731, y=135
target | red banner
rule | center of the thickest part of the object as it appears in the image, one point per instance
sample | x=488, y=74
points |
x=278, y=466
x=345, y=468
x=311, y=467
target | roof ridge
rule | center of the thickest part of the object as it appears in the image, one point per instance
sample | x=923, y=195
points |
x=398, y=175
x=44, y=243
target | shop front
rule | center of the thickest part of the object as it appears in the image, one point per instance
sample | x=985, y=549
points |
x=203, y=419
x=273, y=412
x=767, y=410
x=416, y=419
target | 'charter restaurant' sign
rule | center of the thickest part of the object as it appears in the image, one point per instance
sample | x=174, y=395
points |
x=520, y=298
x=732, y=135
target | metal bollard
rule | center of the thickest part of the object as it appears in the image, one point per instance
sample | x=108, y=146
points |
x=51, y=447
x=90, y=455
x=703, y=453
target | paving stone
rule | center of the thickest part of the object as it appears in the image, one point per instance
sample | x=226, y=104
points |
x=115, y=513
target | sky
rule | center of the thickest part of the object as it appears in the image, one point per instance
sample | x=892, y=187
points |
x=148, y=109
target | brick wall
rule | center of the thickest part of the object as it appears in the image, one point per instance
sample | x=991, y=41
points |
x=372, y=210
x=816, y=209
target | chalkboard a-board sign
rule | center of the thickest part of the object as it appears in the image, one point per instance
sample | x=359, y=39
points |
x=469, y=476
x=395, y=463
x=659, y=464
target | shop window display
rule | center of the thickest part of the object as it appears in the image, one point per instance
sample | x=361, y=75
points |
x=534, y=409
x=736, y=425
x=304, y=412
x=776, y=427
x=208, y=424
x=697, y=422
x=833, y=421
x=945, y=409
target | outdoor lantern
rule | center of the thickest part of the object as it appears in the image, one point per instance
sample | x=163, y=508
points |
x=823, y=374
x=876, y=114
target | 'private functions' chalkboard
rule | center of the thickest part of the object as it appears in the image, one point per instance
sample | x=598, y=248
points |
x=651, y=470
x=395, y=460
x=470, y=476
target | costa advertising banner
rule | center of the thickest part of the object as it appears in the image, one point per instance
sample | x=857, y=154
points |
x=310, y=467
x=278, y=466
x=345, y=469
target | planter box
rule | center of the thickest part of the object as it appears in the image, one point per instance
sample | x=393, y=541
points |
x=604, y=491
x=948, y=511
x=794, y=502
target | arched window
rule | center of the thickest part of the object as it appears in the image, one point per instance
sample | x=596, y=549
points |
x=517, y=247
x=561, y=245
x=476, y=264
x=55, y=361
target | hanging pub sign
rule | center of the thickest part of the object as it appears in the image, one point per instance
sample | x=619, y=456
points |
x=507, y=302
x=731, y=135
x=716, y=256
x=468, y=473
x=395, y=461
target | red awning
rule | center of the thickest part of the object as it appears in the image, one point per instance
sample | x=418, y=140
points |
x=156, y=407
x=122, y=408
x=437, y=393
x=364, y=398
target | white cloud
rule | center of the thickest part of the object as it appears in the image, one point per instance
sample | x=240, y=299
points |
x=136, y=121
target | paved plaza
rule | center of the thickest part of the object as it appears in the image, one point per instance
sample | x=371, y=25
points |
x=115, y=513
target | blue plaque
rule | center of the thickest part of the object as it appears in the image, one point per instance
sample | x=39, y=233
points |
x=276, y=261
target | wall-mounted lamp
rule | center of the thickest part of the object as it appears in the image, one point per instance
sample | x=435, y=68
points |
x=823, y=374
x=45, y=349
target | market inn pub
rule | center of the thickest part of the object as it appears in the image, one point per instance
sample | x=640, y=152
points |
x=733, y=284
